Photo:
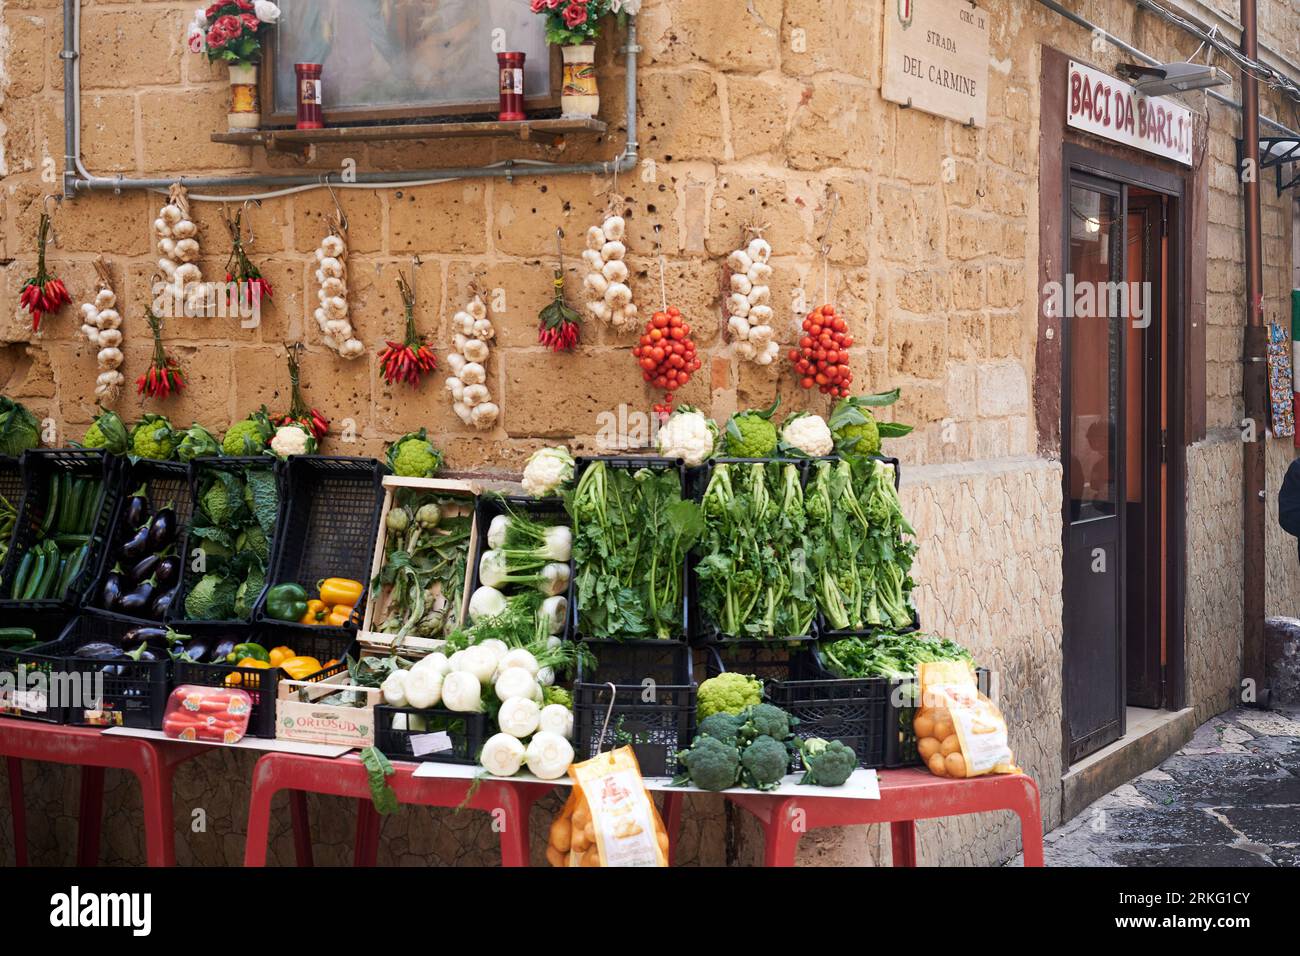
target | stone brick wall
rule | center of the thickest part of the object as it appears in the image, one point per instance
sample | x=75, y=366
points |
x=756, y=111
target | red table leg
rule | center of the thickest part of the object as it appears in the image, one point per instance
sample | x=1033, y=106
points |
x=90, y=816
x=902, y=841
x=18, y=809
x=1031, y=822
x=672, y=820
x=369, y=824
x=265, y=787
x=301, y=828
x=159, y=819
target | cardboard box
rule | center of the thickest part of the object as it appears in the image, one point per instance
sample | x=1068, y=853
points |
x=301, y=715
x=374, y=642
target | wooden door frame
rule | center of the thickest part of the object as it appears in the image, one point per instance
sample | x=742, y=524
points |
x=1059, y=147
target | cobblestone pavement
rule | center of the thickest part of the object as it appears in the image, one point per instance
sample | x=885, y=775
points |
x=1231, y=797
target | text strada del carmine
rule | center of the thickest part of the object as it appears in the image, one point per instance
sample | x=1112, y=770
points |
x=938, y=61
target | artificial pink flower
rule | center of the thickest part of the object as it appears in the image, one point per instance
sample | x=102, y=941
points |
x=575, y=14
x=251, y=23
x=244, y=4
x=216, y=38
x=229, y=25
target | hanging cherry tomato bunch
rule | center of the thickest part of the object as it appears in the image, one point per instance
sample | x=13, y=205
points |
x=822, y=358
x=164, y=376
x=411, y=360
x=43, y=294
x=667, y=355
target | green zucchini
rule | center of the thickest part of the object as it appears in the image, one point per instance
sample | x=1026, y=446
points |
x=23, y=573
x=70, y=511
x=17, y=635
x=76, y=560
x=86, y=520
x=51, y=504
x=53, y=564
x=33, y=582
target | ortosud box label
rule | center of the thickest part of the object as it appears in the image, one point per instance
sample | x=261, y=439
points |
x=1104, y=106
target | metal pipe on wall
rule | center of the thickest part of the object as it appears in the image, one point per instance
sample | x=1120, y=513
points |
x=77, y=179
x=1254, y=378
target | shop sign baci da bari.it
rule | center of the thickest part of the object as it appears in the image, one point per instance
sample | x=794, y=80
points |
x=1104, y=106
x=937, y=58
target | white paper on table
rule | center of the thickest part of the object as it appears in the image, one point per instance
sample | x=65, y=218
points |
x=422, y=744
x=861, y=785
x=265, y=745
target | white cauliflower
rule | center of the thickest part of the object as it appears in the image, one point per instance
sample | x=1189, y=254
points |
x=547, y=470
x=688, y=435
x=292, y=440
x=809, y=434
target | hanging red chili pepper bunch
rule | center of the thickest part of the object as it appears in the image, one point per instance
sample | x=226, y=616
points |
x=558, y=329
x=411, y=360
x=299, y=412
x=164, y=376
x=43, y=294
x=240, y=270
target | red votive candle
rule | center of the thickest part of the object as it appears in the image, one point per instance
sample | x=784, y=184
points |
x=512, y=87
x=309, y=96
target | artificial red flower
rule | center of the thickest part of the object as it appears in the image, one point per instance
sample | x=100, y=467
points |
x=575, y=14
x=244, y=4
x=213, y=10
x=216, y=39
x=229, y=25
x=251, y=23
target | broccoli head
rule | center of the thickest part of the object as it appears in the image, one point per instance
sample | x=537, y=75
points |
x=827, y=763
x=721, y=726
x=710, y=764
x=750, y=435
x=728, y=693
x=763, y=763
x=765, y=720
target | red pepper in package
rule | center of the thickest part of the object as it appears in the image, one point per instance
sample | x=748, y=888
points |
x=207, y=714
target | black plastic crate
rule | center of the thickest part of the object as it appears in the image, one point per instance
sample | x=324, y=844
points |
x=164, y=484
x=117, y=693
x=633, y=463
x=465, y=734
x=656, y=728
x=262, y=684
x=850, y=711
x=541, y=510
x=11, y=489
x=900, y=739
x=38, y=467
x=199, y=469
x=703, y=630
x=23, y=698
x=329, y=520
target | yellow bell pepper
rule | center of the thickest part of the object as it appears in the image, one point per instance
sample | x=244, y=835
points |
x=234, y=680
x=341, y=591
x=281, y=654
x=300, y=668
x=317, y=611
x=341, y=616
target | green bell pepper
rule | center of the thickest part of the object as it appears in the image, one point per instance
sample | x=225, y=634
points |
x=286, y=602
x=244, y=651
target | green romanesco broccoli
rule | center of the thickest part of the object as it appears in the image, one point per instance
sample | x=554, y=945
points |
x=763, y=763
x=728, y=693
x=827, y=763
x=765, y=720
x=413, y=456
x=556, y=695
x=857, y=432
x=108, y=432
x=710, y=764
x=153, y=438
x=862, y=439
x=249, y=437
x=721, y=726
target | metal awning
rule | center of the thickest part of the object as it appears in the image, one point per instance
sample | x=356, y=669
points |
x=1281, y=153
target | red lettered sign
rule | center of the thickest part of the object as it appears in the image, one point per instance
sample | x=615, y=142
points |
x=1110, y=108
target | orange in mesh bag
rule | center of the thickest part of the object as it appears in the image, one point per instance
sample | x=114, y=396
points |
x=959, y=732
x=609, y=819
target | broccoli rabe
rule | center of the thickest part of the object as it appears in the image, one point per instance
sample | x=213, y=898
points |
x=827, y=763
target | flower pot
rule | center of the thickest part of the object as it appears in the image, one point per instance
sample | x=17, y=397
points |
x=245, y=108
x=579, y=97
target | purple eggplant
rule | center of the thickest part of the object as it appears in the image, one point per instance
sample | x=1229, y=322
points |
x=111, y=593
x=137, y=511
x=224, y=648
x=195, y=649
x=143, y=570
x=156, y=638
x=137, y=546
x=168, y=571
x=163, y=602
x=162, y=530
x=98, y=651
x=138, y=601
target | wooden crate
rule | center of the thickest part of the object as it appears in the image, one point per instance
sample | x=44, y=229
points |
x=373, y=642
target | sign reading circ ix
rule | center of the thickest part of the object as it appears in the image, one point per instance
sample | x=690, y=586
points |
x=937, y=58
x=1114, y=110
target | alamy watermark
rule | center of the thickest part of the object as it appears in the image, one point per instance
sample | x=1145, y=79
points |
x=1075, y=299
x=211, y=300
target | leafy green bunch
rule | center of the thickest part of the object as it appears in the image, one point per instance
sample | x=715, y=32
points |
x=233, y=525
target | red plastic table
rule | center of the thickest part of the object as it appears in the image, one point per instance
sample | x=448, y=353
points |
x=346, y=777
x=152, y=761
x=905, y=797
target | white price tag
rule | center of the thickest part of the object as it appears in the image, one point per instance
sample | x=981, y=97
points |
x=424, y=744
